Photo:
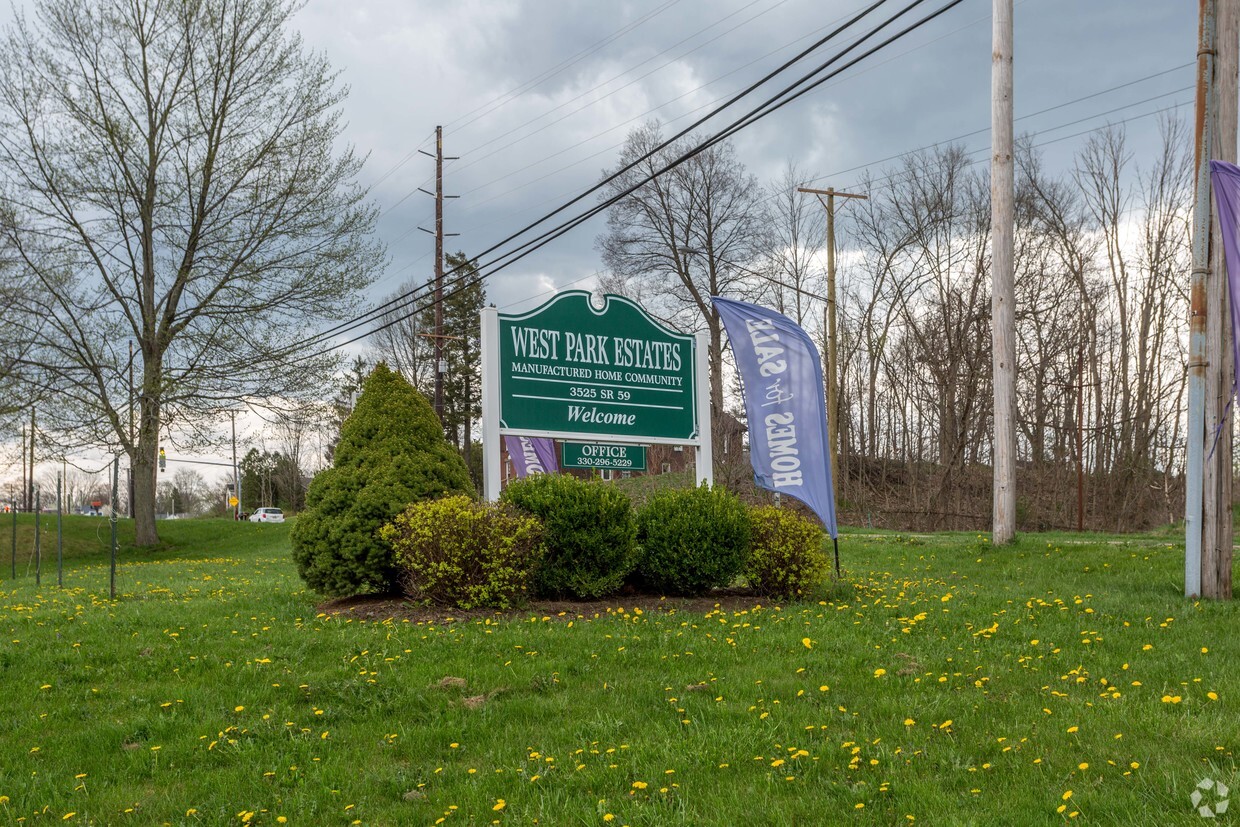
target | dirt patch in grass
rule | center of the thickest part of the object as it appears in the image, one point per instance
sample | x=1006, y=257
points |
x=398, y=607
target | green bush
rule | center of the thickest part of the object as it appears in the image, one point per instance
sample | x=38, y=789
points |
x=787, y=559
x=391, y=453
x=692, y=540
x=461, y=553
x=590, y=534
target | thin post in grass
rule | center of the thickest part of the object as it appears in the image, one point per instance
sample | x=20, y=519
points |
x=116, y=476
x=38, y=556
x=14, y=575
x=60, y=535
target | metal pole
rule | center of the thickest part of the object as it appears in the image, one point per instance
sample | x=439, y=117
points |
x=38, y=551
x=30, y=482
x=439, y=273
x=116, y=481
x=133, y=449
x=60, y=536
x=14, y=574
x=1195, y=454
x=236, y=468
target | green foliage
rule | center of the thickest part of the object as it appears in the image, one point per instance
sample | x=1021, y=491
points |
x=457, y=552
x=590, y=534
x=787, y=559
x=391, y=453
x=692, y=540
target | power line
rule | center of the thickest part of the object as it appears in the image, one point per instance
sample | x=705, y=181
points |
x=403, y=300
x=766, y=108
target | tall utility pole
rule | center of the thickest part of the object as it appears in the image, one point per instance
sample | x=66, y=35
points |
x=828, y=322
x=21, y=503
x=1003, y=282
x=1217, y=534
x=1208, y=536
x=440, y=365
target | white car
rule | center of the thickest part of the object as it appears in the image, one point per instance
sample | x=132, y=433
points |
x=267, y=515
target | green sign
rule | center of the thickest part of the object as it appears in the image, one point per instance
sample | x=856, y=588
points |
x=571, y=368
x=593, y=455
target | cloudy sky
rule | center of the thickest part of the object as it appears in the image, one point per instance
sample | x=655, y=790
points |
x=536, y=96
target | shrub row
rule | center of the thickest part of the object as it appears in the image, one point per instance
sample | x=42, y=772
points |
x=555, y=536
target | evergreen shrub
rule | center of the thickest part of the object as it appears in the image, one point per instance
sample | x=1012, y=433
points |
x=786, y=559
x=691, y=540
x=590, y=534
x=461, y=553
x=391, y=453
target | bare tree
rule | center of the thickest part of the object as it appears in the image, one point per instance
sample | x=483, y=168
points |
x=400, y=339
x=685, y=233
x=173, y=178
x=797, y=231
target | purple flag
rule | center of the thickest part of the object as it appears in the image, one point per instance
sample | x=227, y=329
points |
x=782, y=382
x=1226, y=180
x=531, y=455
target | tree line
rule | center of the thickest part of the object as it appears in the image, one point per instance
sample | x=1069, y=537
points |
x=1102, y=253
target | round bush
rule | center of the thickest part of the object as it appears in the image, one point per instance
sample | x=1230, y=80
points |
x=589, y=533
x=787, y=559
x=692, y=540
x=461, y=553
x=392, y=452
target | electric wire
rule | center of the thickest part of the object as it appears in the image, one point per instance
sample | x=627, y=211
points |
x=766, y=108
x=403, y=300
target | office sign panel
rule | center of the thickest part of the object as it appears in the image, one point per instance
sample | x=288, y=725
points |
x=572, y=368
x=594, y=455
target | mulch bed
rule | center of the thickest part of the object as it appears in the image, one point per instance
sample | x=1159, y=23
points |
x=397, y=607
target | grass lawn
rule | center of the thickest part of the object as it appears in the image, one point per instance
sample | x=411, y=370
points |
x=943, y=682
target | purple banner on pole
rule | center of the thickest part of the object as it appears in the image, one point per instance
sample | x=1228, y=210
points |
x=531, y=455
x=781, y=377
x=1225, y=178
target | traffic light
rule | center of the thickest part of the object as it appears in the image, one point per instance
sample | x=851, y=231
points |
x=163, y=460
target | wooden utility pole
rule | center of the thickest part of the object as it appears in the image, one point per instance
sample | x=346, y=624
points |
x=1003, y=283
x=1194, y=469
x=1216, y=540
x=439, y=234
x=828, y=321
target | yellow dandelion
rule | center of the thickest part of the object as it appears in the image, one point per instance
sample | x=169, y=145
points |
x=499, y=804
x=807, y=643
x=1067, y=794
x=238, y=709
x=639, y=785
x=878, y=673
x=1082, y=766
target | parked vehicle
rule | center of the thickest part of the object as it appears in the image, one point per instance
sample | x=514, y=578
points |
x=267, y=515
